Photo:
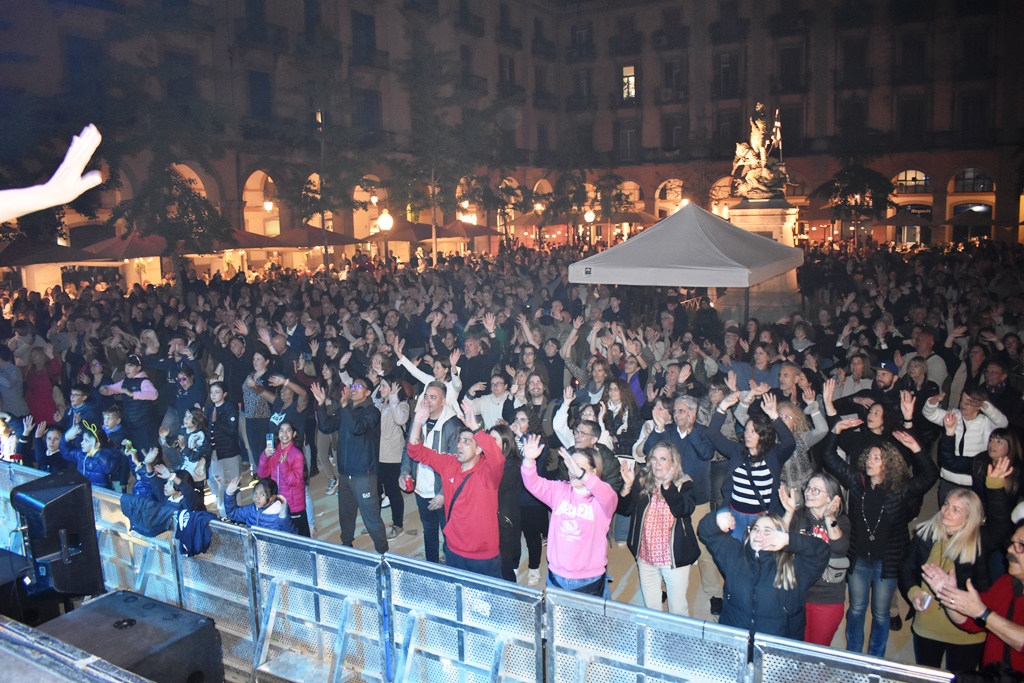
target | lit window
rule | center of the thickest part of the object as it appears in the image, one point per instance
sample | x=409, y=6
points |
x=913, y=182
x=973, y=180
x=628, y=82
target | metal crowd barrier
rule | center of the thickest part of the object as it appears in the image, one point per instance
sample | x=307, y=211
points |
x=291, y=608
x=778, y=660
x=592, y=639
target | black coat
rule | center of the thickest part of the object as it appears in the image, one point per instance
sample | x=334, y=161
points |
x=898, y=507
x=358, y=427
x=681, y=502
x=751, y=601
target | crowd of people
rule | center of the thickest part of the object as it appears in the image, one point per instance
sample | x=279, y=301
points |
x=787, y=459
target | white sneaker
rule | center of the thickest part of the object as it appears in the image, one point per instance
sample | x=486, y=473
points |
x=385, y=502
x=533, y=577
x=332, y=487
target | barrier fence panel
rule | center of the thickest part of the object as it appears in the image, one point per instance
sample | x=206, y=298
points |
x=219, y=584
x=778, y=660
x=148, y=566
x=453, y=625
x=591, y=639
x=317, y=600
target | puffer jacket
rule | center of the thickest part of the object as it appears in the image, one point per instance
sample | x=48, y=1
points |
x=751, y=601
x=681, y=502
x=287, y=468
x=250, y=515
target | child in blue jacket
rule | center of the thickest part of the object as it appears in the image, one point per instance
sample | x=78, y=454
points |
x=267, y=510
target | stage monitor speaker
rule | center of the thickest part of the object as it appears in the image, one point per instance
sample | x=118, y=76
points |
x=154, y=640
x=58, y=512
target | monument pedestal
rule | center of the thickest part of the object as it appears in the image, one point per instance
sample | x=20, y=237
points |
x=774, y=218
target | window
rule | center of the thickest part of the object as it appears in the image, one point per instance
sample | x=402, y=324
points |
x=179, y=70
x=911, y=119
x=504, y=15
x=540, y=79
x=627, y=139
x=913, y=49
x=674, y=131
x=255, y=12
x=83, y=66
x=582, y=83
x=367, y=112
x=312, y=17
x=628, y=83
x=506, y=70
x=672, y=74
x=974, y=124
x=584, y=137
x=582, y=33
x=466, y=60
x=727, y=73
x=791, y=68
x=913, y=182
x=855, y=60
x=364, y=39
x=543, y=143
x=792, y=120
x=974, y=45
x=728, y=130
x=853, y=118
x=538, y=27
x=973, y=180
x=260, y=95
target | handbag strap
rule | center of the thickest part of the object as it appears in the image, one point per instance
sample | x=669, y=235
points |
x=750, y=475
x=456, y=496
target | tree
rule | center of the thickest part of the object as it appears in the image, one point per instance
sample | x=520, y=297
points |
x=857, y=191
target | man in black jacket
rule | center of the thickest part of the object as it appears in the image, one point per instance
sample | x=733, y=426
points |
x=357, y=422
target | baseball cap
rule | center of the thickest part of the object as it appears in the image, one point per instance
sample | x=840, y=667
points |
x=888, y=366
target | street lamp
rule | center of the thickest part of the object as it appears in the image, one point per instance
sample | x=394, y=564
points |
x=385, y=222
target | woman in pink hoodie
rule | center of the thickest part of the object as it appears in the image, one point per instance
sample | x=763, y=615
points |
x=286, y=466
x=581, y=512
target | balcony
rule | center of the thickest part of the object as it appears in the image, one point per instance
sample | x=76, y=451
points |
x=789, y=23
x=850, y=16
x=473, y=84
x=576, y=103
x=428, y=7
x=470, y=23
x=261, y=35
x=542, y=47
x=545, y=100
x=619, y=101
x=908, y=11
x=510, y=36
x=580, y=52
x=269, y=130
x=319, y=44
x=625, y=45
x=726, y=90
x=788, y=85
x=371, y=59
x=671, y=95
x=728, y=31
x=675, y=38
x=511, y=91
x=854, y=79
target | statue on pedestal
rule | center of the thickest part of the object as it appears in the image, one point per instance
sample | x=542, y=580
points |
x=754, y=174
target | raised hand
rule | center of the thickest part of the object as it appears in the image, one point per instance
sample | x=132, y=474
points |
x=40, y=430
x=454, y=360
x=232, y=486
x=787, y=498
x=730, y=381
x=907, y=400
x=907, y=440
x=314, y=348
x=319, y=395
x=532, y=448
x=1000, y=469
x=626, y=468
x=809, y=395
x=726, y=522
x=469, y=414
x=422, y=413
x=848, y=423
x=569, y=394
x=770, y=404
x=399, y=347
x=575, y=471
x=729, y=401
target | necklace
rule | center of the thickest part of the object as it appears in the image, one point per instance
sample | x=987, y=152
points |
x=864, y=515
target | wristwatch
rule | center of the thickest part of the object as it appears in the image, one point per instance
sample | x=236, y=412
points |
x=981, y=620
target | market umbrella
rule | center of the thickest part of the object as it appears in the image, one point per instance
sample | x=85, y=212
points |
x=465, y=231
x=904, y=219
x=533, y=219
x=310, y=238
x=134, y=245
x=971, y=219
x=629, y=216
x=243, y=239
x=27, y=252
x=404, y=231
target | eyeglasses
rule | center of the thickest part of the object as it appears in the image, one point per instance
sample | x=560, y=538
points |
x=497, y=384
x=356, y=387
x=580, y=432
x=182, y=379
x=75, y=394
x=813, y=490
x=1016, y=546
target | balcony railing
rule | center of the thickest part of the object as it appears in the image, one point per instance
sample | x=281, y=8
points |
x=670, y=95
x=470, y=23
x=618, y=100
x=473, y=83
x=790, y=84
x=545, y=100
x=262, y=35
x=675, y=38
x=542, y=47
x=852, y=79
x=580, y=103
x=789, y=23
x=728, y=31
x=510, y=36
x=625, y=45
x=579, y=52
x=508, y=91
x=373, y=59
x=726, y=90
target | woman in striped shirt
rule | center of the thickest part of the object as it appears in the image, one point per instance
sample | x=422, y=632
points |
x=755, y=466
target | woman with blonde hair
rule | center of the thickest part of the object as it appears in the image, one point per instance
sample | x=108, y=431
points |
x=766, y=575
x=957, y=538
x=661, y=536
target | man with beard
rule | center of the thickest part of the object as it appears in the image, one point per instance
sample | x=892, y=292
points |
x=884, y=389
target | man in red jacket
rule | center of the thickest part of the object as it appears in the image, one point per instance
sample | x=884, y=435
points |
x=470, y=483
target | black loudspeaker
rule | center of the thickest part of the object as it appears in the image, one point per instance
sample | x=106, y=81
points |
x=62, y=534
x=156, y=641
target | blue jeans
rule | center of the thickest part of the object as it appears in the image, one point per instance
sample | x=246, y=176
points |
x=256, y=429
x=621, y=527
x=866, y=579
x=433, y=524
x=489, y=567
x=576, y=584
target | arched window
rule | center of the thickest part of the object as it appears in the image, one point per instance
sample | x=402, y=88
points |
x=973, y=180
x=913, y=181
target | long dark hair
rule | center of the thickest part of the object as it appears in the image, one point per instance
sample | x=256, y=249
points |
x=763, y=428
x=507, y=441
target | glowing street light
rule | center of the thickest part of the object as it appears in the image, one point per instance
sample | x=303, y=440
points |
x=385, y=222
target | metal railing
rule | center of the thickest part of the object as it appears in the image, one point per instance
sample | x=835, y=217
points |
x=291, y=608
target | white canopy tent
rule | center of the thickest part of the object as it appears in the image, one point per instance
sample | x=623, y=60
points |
x=690, y=248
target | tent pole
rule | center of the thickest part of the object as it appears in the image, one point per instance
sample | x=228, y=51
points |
x=746, y=305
